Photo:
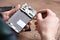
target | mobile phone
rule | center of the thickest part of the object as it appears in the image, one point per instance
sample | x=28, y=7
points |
x=20, y=19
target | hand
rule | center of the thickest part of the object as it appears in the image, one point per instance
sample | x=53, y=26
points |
x=8, y=14
x=47, y=26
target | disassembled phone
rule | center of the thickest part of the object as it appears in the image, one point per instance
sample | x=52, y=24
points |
x=20, y=19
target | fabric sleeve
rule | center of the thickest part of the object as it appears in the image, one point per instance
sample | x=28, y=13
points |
x=1, y=15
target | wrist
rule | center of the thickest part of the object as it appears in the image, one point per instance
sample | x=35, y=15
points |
x=50, y=37
x=47, y=36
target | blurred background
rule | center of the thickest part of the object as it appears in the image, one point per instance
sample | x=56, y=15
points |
x=54, y=5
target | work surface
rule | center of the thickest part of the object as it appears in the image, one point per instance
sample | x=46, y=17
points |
x=54, y=5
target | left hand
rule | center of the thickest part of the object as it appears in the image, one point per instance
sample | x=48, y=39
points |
x=8, y=14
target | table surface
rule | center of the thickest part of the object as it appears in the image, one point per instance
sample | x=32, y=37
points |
x=54, y=5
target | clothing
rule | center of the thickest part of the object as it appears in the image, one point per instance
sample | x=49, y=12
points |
x=6, y=33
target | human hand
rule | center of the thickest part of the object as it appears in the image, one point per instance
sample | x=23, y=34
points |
x=8, y=14
x=47, y=26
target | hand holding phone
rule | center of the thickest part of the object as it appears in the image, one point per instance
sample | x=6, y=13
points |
x=21, y=17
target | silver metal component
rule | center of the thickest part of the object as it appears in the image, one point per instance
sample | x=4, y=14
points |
x=28, y=10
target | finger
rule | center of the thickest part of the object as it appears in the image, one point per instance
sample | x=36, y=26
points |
x=51, y=12
x=5, y=18
x=35, y=18
x=36, y=23
x=36, y=27
x=11, y=12
x=30, y=23
x=48, y=11
x=43, y=13
x=43, y=10
x=39, y=17
x=26, y=27
x=23, y=30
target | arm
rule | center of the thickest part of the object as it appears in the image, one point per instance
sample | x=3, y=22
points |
x=6, y=33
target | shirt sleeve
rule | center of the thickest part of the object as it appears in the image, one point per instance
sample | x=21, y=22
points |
x=1, y=15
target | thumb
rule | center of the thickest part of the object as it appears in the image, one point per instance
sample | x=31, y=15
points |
x=39, y=17
x=11, y=12
x=51, y=13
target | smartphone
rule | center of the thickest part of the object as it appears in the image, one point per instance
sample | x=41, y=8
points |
x=20, y=19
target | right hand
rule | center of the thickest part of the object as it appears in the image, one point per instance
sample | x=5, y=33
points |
x=47, y=26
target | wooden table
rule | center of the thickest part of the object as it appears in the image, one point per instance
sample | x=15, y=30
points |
x=37, y=5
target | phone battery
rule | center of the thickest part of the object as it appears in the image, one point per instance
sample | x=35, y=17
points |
x=20, y=19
